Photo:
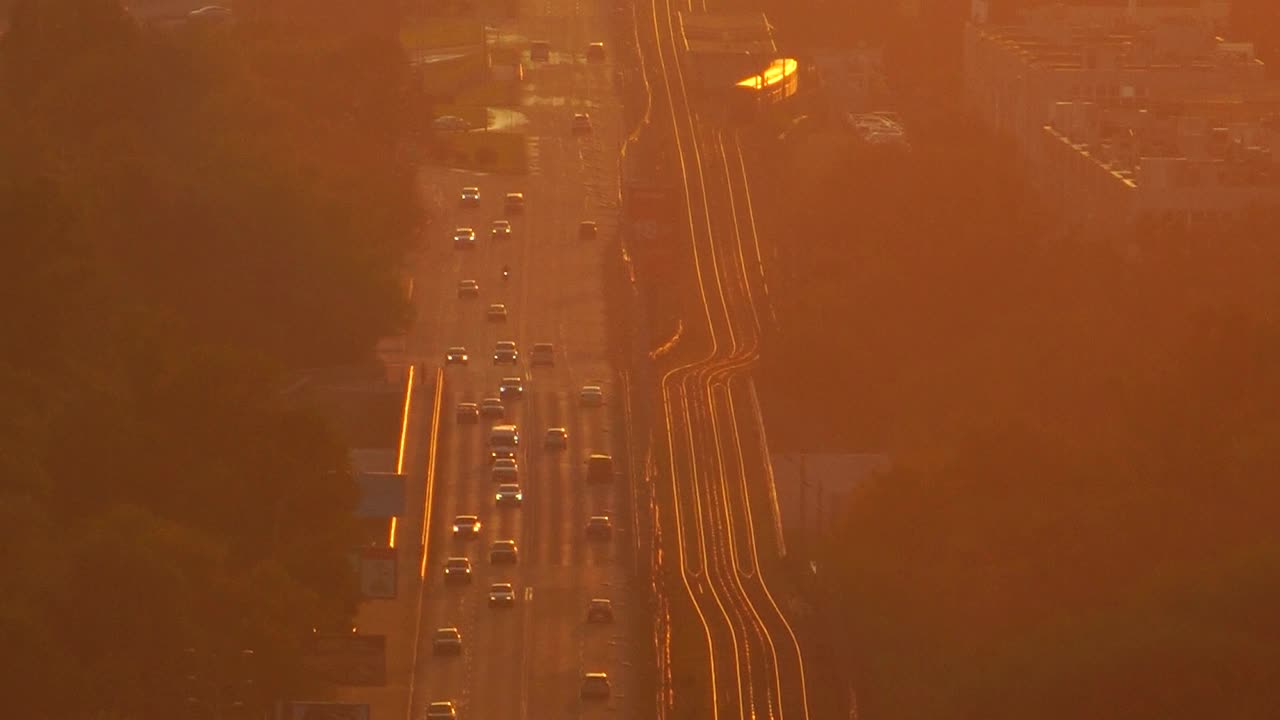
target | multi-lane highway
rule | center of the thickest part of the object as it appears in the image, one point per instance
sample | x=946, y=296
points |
x=528, y=660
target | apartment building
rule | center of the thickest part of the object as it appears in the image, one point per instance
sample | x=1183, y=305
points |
x=1139, y=114
x=1189, y=165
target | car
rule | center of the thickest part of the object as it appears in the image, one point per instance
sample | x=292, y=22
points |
x=501, y=594
x=503, y=552
x=446, y=641
x=503, y=441
x=581, y=124
x=441, y=710
x=587, y=230
x=211, y=14
x=544, y=353
x=451, y=123
x=468, y=412
x=466, y=526
x=497, y=312
x=591, y=396
x=470, y=196
x=468, y=289
x=600, y=610
x=457, y=570
x=464, y=237
x=511, y=388
x=557, y=438
x=513, y=203
x=456, y=355
x=599, y=468
x=504, y=352
x=509, y=494
x=492, y=408
x=595, y=685
x=599, y=527
x=595, y=52
x=500, y=230
x=540, y=51
x=505, y=470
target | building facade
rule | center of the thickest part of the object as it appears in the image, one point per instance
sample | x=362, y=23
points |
x=1129, y=116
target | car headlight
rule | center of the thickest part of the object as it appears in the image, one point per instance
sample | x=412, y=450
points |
x=498, y=496
x=519, y=496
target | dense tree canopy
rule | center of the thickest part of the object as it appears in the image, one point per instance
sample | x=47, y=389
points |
x=189, y=216
x=1083, y=521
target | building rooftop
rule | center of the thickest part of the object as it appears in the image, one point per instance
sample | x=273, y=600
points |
x=1125, y=140
x=1091, y=48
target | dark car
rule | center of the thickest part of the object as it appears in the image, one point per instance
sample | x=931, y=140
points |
x=503, y=552
x=502, y=595
x=464, y=238
x=600, y=610
x=468, y=413
x=595, y=685
x=599, y=527
x=505, y=353
x=466, y=526
x=511, y=388
x=457, y=570
x=544, y=353
x=446, y=641
x=599, y=468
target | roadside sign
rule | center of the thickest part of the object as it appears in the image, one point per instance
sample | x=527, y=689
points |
x=348, y=659
x=381, y=494
x=326, y=711
x=378, y=573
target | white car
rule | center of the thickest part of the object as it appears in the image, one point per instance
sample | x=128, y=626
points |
x=470, y=196
x=591, y=396
x=450, y=122
x=500, y=229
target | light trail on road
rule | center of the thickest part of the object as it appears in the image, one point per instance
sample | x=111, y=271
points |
x=715, y=531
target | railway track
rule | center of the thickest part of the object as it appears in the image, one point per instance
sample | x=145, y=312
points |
x=755, y=668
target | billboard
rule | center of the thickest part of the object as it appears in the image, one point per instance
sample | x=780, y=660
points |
x=381, y=494
x=378, y=572
x=348, y=658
